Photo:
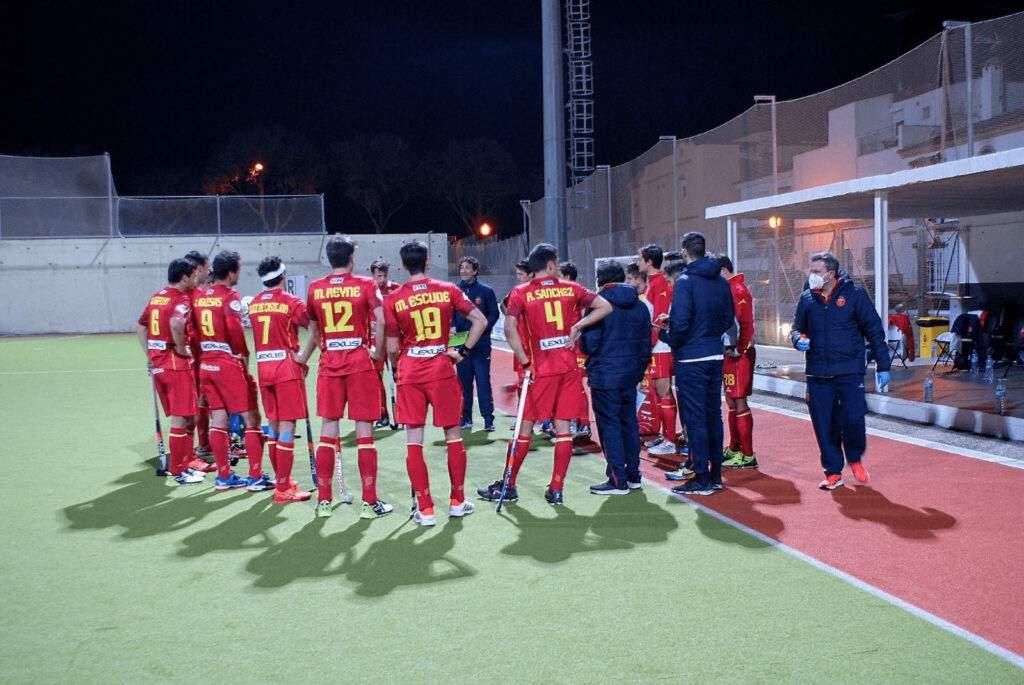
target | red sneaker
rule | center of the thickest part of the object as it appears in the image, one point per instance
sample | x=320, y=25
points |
x=292, y=494
x=200, y=465
x=859, y=472
x=831, y=482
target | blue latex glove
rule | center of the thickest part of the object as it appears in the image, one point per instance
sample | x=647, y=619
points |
x=803, y=344
x=883, y=380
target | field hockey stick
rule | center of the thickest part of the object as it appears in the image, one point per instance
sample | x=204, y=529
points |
x=161, y=451
x=391, y=387
x=312, y=453
x=509, y=454
x=339, y=473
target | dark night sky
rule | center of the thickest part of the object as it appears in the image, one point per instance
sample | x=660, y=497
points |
x=160, y=85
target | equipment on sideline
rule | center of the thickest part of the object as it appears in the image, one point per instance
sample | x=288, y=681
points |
x=339, y=473
x=512, y=443
x=312, y=452
x=391, y=380
x=161, y=451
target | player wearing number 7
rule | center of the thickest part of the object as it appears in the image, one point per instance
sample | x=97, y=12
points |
x=344, y=306
x=552, y=310
x=418, y=317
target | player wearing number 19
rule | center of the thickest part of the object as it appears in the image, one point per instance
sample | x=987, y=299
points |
x=343, y=307
x=418, y=317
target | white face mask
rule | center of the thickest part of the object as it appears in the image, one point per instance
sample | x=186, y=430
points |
x=815, y=281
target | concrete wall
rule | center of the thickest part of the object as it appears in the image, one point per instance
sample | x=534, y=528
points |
x=101, y=286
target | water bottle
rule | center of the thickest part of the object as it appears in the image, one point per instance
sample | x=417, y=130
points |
x=1001, y=397
x=929, y=388
x=990, y=372
x=974, y=362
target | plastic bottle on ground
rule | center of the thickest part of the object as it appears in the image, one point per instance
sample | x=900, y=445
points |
x=929, y=388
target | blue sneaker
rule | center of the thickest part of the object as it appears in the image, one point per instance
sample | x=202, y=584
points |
x=229, y=483
x=264, y=482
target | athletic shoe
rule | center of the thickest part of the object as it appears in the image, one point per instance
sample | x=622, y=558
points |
x=466, y=425
x=204, y=452
x=732, y=459
x=189, y=469
x=859, y=472
x=259, y=483
x=553, y=497
x=201, y=465
x=489, y=426
x=648, y=444
x=608, y=488
x=382, y=422
x=700, y=487
x=188, y=478
x=463, y=508
x=292, y=494
x=324, y=509
x=715, y=476
x=749, y=462
x=682, y=473
x=728, y=454
x=583, y=432
x=231, y=482
x=238, y=452
x=424, y=519
x=493, y=491
x=663, y=448
x=376, y=510
x=831, y=482
x=634, y=484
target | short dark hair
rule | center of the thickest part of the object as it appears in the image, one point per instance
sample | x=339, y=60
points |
x=380, y=265
x=831, y=263
x=339, y=251
x=693, y=243
x=197, y=257
x=179, y=269
x=524, y=265
x=674, y=269
x=226, y=262
x=673, y=256
x=569, y=270
x=725, y=263
x=653, y=254
x=472, y=261
x=266, y=266
x=610, y=271
x=414, y=256
x=541, y=255
x=633, y=269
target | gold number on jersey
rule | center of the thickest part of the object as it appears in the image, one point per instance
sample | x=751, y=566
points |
x=206, y=322
x=264, y=321
x=154, y=322
x=428, y=323
x=553, y=313
x=344, y=309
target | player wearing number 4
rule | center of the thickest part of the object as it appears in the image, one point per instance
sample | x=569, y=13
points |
x=418, y=318
x=344, y=307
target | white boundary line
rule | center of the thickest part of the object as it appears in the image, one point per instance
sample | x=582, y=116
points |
x=920, y=442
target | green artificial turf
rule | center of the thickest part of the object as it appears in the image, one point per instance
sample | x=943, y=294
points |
x=109, y=575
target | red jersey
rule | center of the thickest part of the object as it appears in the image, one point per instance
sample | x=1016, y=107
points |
x=549, y=307
x=660, y=296
x=382, y=292
x=276, y=316
x=165, y=304
x=217, y=322
x=419, y=314
x=743, y=303
x=342, y=306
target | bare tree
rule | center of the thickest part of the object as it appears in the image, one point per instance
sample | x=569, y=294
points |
x=290, y=164
x=473, y=176
x=375, y=172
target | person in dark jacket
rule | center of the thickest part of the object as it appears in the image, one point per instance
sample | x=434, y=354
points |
x=619, y=349
x=833, y=318
x=702, y=311
x=478, y=365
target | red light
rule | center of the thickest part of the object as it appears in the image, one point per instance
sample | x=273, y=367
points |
x=485, y=230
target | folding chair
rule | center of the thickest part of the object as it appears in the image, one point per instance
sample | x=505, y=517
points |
x=947, y=345
x=896, y=341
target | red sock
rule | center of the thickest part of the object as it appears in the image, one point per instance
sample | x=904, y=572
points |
x=457, y=469
x=203, y=428
x=745, y=427
x=180, y=448
x=418, y=476
x=667, y=405
x=325, y=452
x=518, y=457
x=563, y=455
x=272, y=454
x=191, y=444
x=734, y=431
x=285, y=459
x=254, y=451
x=652, y=402
x=219, y=446
x=366, y=451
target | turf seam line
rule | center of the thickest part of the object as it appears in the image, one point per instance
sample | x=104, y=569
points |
x=43, y=371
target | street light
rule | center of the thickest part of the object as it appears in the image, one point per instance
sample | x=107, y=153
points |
x=256, y=174
x=484, y=230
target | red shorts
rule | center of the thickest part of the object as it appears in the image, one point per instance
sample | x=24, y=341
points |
x=443, y=396
x=285, y=401
x=661, y=366
x=360, y=391
x=177, y=391
x=556, y=397
x=738, y=374
x=227, y=385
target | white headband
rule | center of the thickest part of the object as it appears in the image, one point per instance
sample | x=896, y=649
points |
x=272, y=275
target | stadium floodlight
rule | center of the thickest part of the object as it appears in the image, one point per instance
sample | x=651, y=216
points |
x=484, y=230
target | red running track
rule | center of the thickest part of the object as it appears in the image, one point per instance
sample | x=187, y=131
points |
x=940, y=531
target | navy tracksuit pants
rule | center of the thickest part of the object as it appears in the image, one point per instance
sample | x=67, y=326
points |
x=837, y=407
x=476, y=367
x=615, y=411
x=699, y=386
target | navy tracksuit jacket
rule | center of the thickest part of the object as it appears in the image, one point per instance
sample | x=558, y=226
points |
x=478, y=365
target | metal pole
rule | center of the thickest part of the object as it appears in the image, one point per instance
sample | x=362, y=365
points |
x=882, y=255
x=525, y=204
x=969, y=67
x=675, y=187
x=110, y=195
x=218, y=214
x=732, y=249
x=554, y=128
x=608, y=192
x=775, y=141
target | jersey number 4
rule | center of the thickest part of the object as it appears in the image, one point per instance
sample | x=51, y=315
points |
x=427, y=322
x=553, y=313
x=343, y=308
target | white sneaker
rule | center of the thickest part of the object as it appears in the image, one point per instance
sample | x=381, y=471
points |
x=648, y=444
x=464, y=509
x=423, y=519
x=188, y=477
x=663, y=448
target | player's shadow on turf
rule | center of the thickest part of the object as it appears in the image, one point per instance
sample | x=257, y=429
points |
x=863, y=503
x=307, y=554
x=714, y=529
x=248, y=530
x=772, y=491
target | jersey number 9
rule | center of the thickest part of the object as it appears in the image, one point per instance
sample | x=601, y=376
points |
x=206, y=322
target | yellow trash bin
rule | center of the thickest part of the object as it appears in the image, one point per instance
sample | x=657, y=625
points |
x=931, y=327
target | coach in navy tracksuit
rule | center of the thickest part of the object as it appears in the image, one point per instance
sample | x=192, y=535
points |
x=478, y=365
x=702, y=310
x=833, y=318
x=619, y=349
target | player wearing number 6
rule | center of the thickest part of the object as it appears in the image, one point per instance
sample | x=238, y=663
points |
x=553, y=313
x=418, y=316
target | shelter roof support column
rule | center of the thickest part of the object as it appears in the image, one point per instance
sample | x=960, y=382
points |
x=731, y=248
x=882, y=256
